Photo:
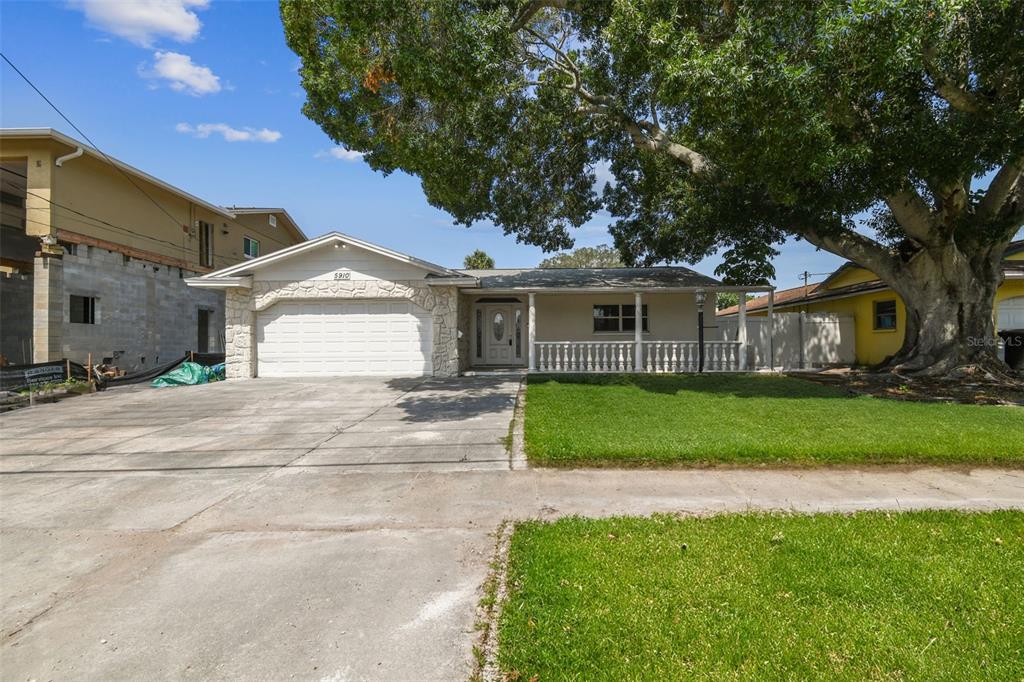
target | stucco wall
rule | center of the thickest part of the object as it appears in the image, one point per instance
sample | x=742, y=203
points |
x=243, y=304
x=570, y=317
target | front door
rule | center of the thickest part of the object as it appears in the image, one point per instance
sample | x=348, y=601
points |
x=502, y=334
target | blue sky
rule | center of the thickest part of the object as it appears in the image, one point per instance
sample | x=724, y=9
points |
x=164, y=88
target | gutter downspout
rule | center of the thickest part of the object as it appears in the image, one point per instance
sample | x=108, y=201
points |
x=67, y=157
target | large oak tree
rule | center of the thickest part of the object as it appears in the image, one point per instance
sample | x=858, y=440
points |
x=727, y=124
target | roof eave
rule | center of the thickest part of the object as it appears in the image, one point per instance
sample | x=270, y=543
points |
x=50, y=133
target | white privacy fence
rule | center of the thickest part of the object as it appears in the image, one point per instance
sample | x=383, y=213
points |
x=800, y=340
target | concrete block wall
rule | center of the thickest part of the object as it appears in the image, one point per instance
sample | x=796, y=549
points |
x=145, y=315
x=16, y=317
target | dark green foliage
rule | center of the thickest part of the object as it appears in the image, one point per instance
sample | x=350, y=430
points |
x=478, y=260
x=806, y=112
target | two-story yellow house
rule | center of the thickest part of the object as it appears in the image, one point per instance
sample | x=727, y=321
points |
x=94, y=254
x=878, y=312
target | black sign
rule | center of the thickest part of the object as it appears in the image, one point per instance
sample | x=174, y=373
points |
x=25, y=376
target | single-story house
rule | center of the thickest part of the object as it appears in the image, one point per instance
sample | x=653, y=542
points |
x=338, y=306
x=878, y=312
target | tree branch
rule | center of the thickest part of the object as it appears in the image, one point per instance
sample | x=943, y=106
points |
x=912, y=214
x=854, y=246
x=531, y=8
x=1006, y=186
x=645, y=135
x=958, y=96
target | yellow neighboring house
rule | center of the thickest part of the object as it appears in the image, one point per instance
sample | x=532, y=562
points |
x=878, y=312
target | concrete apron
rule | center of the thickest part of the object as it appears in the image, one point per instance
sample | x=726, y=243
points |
x=268, y=559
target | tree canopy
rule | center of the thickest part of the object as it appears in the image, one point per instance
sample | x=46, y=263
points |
x=601, y=256
x=727, y=124
x=478, y=260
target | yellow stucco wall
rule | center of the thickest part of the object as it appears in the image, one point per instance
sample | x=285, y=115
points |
x=115, y=211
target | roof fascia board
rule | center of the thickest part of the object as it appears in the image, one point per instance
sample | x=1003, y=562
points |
x=30, y=133
x=807, y=301
x=618, y=290
x=291, y=251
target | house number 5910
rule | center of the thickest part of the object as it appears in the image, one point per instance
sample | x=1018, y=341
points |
x=343, y=275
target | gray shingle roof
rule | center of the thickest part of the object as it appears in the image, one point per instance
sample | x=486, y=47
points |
x=581, y=278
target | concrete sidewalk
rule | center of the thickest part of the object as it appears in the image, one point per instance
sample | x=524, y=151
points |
x=317, y=530
x=311, y=575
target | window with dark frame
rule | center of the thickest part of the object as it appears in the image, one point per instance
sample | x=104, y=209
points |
x=250, y=247
x=618, y=318
x=205, y=244
x=83, y=309
x=885, y=315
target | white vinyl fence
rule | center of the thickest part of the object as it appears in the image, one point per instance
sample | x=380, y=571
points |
x=801, y=340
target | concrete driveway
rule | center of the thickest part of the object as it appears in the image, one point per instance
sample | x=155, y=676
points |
x=320, y=530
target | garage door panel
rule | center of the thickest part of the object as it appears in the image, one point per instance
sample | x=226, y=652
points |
x=344, y=337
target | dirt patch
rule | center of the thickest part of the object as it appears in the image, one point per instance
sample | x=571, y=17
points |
x=968, y=389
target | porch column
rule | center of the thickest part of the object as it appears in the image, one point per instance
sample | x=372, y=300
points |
x=638, y=349
x=531, y=326
x=741, y=329
x=771, y=329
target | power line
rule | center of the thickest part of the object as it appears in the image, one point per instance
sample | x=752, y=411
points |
x=101, y=221
x=87, y=139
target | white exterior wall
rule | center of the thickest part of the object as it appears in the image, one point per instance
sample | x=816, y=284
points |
x=322, y=263
x=312, y=276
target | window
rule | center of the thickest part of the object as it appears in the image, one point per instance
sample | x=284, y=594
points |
x=251, y=247
x=618, y=318
x=479, y=333
x=519, y=333
x=205, y=244
x=885, y=315
x=273, y=220
x=83, y=309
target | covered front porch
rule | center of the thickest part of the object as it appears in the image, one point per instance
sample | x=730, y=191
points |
x=587, y=321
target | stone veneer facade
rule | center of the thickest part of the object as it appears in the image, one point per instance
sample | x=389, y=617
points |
x=242, y=305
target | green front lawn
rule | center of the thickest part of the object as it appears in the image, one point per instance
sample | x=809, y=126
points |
x=916, y=596
x=747, y=419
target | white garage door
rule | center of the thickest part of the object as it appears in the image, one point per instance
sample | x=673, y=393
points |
x=343, y=338
x=1011, y=313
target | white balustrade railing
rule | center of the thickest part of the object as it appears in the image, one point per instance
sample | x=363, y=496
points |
x=684, y=356
x=584, y=356
x=617, y=356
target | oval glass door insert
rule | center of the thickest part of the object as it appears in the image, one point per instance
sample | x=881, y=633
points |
x=499, y=326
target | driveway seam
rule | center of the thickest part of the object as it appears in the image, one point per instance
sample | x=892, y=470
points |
x=259, y=479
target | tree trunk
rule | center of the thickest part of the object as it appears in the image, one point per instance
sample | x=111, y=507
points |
x=949, y=298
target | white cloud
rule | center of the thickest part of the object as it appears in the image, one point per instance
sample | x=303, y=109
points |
x=204, y=130
x=340, y=153
x=182, y=74
x=142, y=21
